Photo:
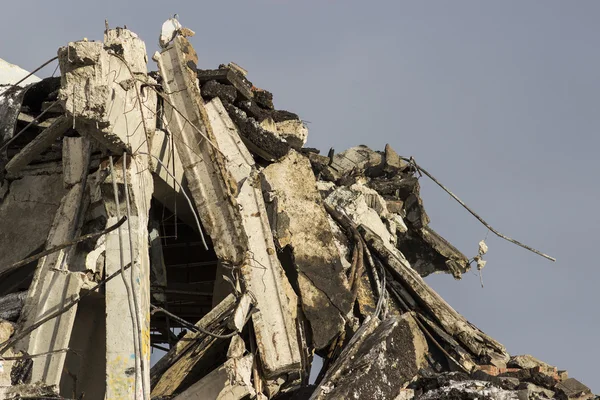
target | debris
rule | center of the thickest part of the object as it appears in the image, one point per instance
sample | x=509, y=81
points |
x=179, y=210
x=573, y=389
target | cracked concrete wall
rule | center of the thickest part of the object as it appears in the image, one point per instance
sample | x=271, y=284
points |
x=38, y=196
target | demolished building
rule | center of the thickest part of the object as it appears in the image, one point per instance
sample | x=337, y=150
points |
x=180, y=210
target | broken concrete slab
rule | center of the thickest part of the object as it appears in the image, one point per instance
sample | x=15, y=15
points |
x=227, y=76
x=293, y=131
x=355, y=201
x=393, y=164
x=300, y=223
x=266, y=144
x=529, y=391
x=356, y=160
x=212, y=89
x=170, y=371
x=571, y=388
x=527, y=361
x=384, y=363
x=263, y=98
x=231, y=381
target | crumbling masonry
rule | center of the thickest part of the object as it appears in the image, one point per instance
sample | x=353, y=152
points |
x=179, y=210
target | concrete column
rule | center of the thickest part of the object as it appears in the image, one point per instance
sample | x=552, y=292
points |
x=124, y=377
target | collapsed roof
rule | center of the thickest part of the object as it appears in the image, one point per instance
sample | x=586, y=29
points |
x=180, y=210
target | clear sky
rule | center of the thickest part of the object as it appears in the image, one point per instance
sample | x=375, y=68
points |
x=499, y=100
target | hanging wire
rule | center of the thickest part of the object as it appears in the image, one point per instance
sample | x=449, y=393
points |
x=184, y=194
x=139, y=359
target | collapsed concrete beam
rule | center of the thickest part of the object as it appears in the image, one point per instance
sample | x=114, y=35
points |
x=54, y=284
x=102, y=90
x=275, y=322
x=230, y=381
x=300, y=222
x=452, y=322
x=221, y=177
x=168, y=374
x=203, y=164
x=379, y=364
x=127, y=304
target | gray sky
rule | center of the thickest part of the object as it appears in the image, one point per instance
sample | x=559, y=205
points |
x=499, y=100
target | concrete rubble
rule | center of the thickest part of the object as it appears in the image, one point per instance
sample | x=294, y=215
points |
x=179, y=211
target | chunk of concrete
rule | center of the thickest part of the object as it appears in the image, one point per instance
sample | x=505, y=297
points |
x=293, y=131
x=231, y=381
x=212, y=89
x=356, y=160
x=383, y=364
x=300, y=222
x=262, y=142
x=527, y=361
x=39, y=144
x=355, y=202
x=572, y=389
x=529, y=391
x=393, y=162
x=101, y=90
x=38, y=195
x=227, y=76
x=263, y=276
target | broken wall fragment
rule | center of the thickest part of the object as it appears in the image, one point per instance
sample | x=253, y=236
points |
x=300, y=225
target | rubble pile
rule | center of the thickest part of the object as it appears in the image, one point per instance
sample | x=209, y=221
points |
x=179, y=210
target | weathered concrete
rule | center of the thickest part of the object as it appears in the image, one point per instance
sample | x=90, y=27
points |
x=227, y=76
x=265, y=143
x=529, y=391
x=572, y=389
x=300, y=222
x=38, y=145
x=357, y=160
x=263, y=276
x=381, y=365
x=128, y=244
x=212, y=89
x=293, y=131
x=11, y=305
x=54, y=285
x=356, y=201
x=31, y=195
x=6, y=331
x=231, y=381
x=101, y=90
x=208, y=181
